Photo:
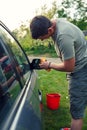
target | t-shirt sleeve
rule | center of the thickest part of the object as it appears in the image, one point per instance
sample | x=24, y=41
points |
x=66, y=46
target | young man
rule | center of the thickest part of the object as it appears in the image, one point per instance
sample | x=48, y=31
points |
x=69, y=40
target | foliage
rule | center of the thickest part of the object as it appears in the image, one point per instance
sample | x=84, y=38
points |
x=24, y=37
x=78, y=16
x=62, y=13
x=76, y=12
x=78, y=8
x=47, y=50
x=50, y=13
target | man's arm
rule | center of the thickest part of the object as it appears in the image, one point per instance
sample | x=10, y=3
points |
x=66, y=66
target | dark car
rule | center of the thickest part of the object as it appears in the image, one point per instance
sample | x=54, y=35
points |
x=19, y=87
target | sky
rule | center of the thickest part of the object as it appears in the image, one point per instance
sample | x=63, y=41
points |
x=14, y=12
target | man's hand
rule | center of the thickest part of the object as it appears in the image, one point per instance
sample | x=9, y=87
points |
x=44, y=65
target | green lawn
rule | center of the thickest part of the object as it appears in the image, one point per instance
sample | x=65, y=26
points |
x=55, y=82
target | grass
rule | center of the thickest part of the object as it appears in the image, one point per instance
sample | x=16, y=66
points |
x=55, y=82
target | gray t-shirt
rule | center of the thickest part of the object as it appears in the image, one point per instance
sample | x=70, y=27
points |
x=70, y=42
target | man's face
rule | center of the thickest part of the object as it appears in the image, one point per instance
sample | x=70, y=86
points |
x=49, y=34
x=46, y=36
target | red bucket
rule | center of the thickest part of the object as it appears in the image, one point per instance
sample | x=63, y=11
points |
x=53, y=101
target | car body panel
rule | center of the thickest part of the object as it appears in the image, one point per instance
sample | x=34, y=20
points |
x=19, y=99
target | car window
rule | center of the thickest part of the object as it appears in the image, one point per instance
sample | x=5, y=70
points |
x=14, y=72
x=21, y=62
x=9, y=86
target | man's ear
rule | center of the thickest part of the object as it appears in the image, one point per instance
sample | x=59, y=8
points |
x=50, y=30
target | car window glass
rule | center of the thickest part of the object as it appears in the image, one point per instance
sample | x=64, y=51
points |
x=9, y=86
x=21, y=63
x=14, y=72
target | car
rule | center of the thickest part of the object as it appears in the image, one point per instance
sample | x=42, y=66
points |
x=20, y=105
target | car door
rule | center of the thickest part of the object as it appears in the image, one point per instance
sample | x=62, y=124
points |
x=19, y=102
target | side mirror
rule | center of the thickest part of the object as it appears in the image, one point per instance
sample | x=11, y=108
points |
x=35, y=64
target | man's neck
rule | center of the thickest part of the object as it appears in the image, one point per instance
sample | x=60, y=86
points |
x=54, y=25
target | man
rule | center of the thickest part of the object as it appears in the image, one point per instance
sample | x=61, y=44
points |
x=70, y=42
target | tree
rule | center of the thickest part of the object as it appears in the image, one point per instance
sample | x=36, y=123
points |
x=50, y=13
x=76, y=12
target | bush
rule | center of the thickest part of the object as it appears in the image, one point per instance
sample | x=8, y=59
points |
x=42, y=50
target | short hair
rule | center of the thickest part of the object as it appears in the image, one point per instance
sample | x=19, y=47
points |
x=39, y=26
